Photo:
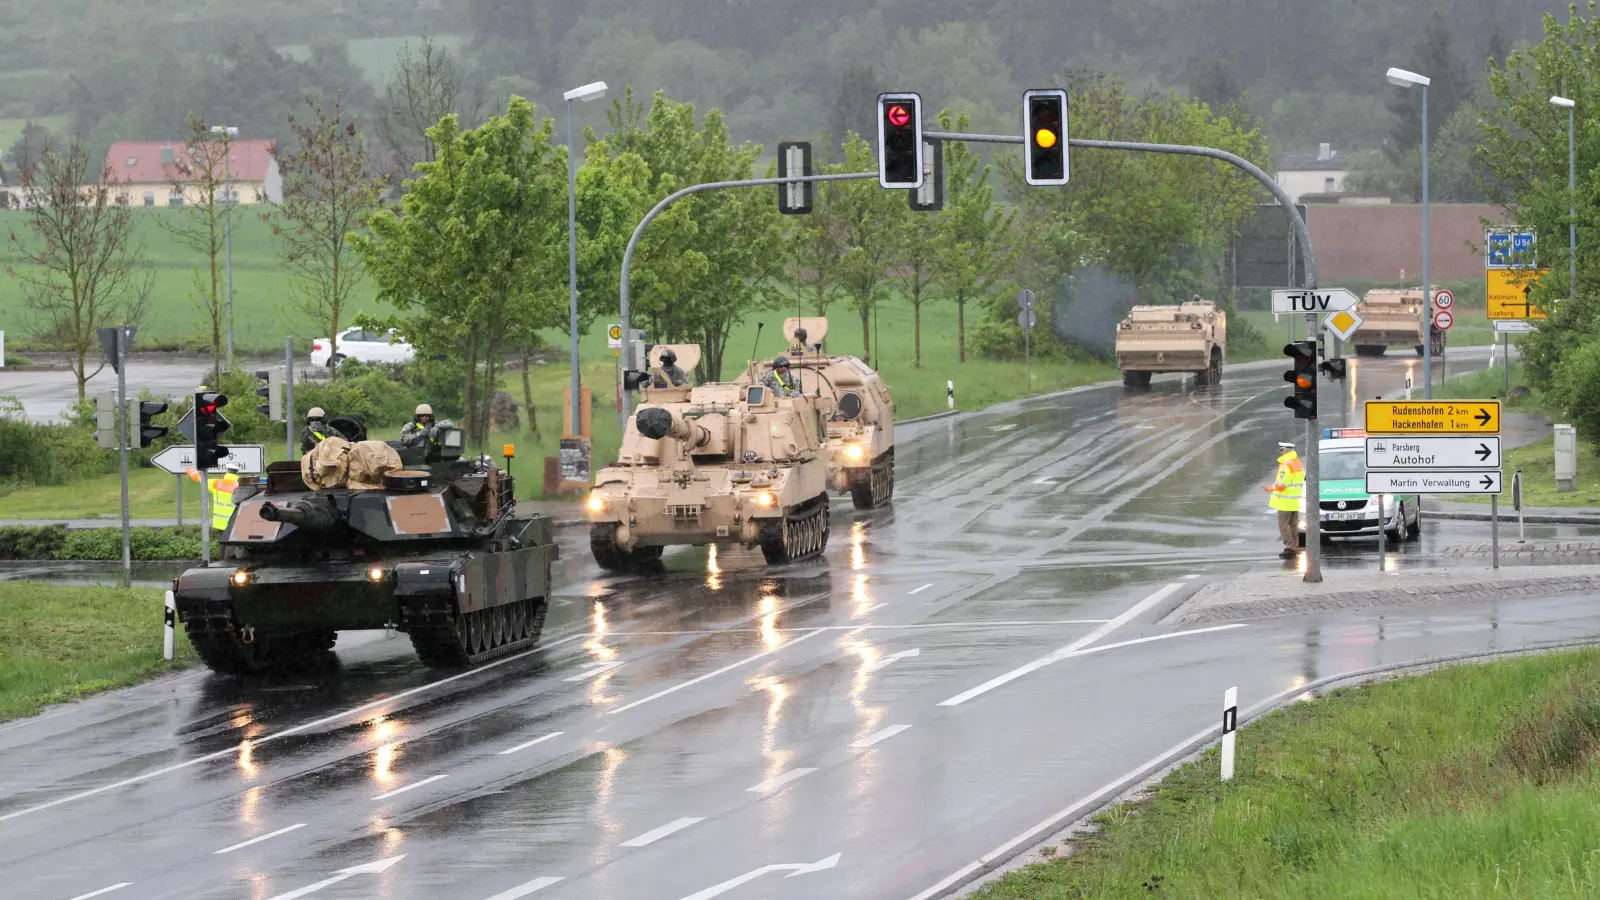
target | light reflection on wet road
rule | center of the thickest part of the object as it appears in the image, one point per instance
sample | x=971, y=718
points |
x=726, y=729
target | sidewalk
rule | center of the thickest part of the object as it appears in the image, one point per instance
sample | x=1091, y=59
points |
x=1533, y=515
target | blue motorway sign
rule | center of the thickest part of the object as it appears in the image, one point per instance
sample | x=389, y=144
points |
x=1506, y=250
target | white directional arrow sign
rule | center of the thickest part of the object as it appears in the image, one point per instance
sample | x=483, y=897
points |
x=179, y=459
x=1312, y=301
x=792, y=868
x=1413, y=453
x=1462, y=482
x=371, y=868
x=890, y=659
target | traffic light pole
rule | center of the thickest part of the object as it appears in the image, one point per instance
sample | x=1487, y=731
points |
x=122, y=442
x=1312, y=490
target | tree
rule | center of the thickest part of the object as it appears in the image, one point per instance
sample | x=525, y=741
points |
x=978, y=246
x=854, y=109
x=1213, y=83
x=83, y=269
x=199, y=173
x=815, y=249
x=329, y=189
x=923, y=245
x=426, y=84
x=477, y=254
x=1435, y=56
x=30, y=145
x=871, y=221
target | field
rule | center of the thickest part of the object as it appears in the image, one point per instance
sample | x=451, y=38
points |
x=1474, y=781
x=375, y=57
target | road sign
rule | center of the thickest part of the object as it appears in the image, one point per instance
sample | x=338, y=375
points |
x=1433, y=417
x=1510, y=293
x=186, y=425
x=1027, y=319
x=1433, y=452
x=1443, y=319
x=613, y=339
x=1508, y=249
x=180, y=459
x=1462, y=482
x=116, y=342
x=1442, y=299
x=1514, y=326
x=1308, y=301
x=1025, y=299
x=1343, y=323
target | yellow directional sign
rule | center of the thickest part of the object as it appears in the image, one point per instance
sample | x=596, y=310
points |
x=1509, y=291
x=1433, y=417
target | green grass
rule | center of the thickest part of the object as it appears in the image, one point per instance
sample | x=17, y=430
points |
x=375, y=57
x=1475, y=781
x=59, y=642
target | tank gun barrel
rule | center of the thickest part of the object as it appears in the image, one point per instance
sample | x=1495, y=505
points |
x=315, y=516
x=657, y=423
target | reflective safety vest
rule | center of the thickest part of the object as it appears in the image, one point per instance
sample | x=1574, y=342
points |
x=222, y=500
x=1290, y=484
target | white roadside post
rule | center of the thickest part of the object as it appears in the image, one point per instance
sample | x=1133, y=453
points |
x=168, y=631
x=949, y=395
x=1230, y=724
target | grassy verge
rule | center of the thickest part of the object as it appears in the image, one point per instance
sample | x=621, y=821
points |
x=59, y=642
x=1474, y=781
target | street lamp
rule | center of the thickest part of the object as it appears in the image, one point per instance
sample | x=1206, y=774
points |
x=1572, y=192
x=228, y=132
x=586, y=93
x=1405, y=79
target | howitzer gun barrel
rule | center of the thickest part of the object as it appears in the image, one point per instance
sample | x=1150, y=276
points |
x=656, y=423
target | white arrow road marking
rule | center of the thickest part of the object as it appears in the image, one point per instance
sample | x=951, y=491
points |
x=877, y=736
x=656, y=834
x=727, y=668
x=1002, y=428
x=104, y=890
x=1048, y=479
x=792, y=868
x=526, y=744
x=778, y=781
x=257, y=840
x=526, y=888
x=920, y=589
x=889, y=660
x=410, y=787
x=595, y=669
x=371, y=868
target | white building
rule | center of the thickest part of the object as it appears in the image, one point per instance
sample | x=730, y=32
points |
x=1323, y=172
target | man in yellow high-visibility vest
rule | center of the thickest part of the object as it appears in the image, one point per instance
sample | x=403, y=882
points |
x=1284, y=498
x=222, y=497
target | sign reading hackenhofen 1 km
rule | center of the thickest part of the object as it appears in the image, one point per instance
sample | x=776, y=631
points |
x=1449, y=455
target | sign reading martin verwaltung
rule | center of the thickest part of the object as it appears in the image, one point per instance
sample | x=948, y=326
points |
x=1433, y=482
x=1312, y=301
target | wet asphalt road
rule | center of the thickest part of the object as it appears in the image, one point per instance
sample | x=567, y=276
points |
x=860, y=726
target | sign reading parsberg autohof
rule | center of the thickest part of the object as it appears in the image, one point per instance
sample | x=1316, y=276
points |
x=575, y=459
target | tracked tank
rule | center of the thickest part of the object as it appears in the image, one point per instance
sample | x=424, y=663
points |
x=856, y=404
x=371, y=535
x=718, y=463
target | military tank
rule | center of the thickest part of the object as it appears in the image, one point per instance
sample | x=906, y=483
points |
x=1188, y=337
x=371, y=535
x=856, y=404
x=1392, y=318
x=718, y=463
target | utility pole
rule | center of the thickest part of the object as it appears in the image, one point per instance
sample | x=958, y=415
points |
x=228, y=133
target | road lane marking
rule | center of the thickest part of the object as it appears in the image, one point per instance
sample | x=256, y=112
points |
x=526, y=888
x=1191, y=576
x=104, y=890
x=920, y=589
x=526, y=744
x=372, y=868
x=595, y=669
x=891, y=659
x=778, y=781
x=1048, y=479
x=257, y=840
x=874, y=607
x=1127, y=616
x=1002, y=427
x=656, y=834
x=1236, y=541
x=877, y=736
x=257, y=742
x=1002, y=622
x=410, y=787
x=728, y=668
x=793, y=869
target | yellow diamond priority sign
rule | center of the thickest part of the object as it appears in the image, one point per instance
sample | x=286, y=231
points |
x=1433, y=417
x=1343, y=323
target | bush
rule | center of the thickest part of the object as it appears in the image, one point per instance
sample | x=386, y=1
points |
x=1575, y=387
x=383, y=397
x=56, y=542
x=33, y=454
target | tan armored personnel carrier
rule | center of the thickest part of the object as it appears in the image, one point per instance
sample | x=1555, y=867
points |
x=1391, y=318
x=717, y=463
x=856, y=403
x=1190, y=337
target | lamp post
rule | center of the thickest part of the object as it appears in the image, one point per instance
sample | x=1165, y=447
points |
x=228, y=133
x=586, y=93
x=1405, y=79
x=1572, y=194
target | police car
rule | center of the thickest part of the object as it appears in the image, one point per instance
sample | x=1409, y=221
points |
x=1348, y=511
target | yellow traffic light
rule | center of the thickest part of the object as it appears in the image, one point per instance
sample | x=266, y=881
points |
x=1044, y=137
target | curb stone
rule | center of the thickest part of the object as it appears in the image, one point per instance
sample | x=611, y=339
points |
x=1292, y=605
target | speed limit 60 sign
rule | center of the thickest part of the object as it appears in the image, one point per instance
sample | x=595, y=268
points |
x=1442, y=299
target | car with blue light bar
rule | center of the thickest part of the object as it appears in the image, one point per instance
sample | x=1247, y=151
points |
x=1348, y=511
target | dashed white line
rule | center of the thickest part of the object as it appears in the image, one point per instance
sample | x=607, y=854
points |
x=656, y=834
x=526, y=888
x=778, y=781
x=410, y=787
x=1236, y=541
x=257, y=840
x=1191, y=576
x=920, y=589
x=526, y=744
x=1048, y=479
x=877, y=736
x=596, y=669
x=728, y=668
x=104, y=890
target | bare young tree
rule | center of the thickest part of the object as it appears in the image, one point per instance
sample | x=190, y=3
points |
x=198, y=172
x=84, y=269
x=329, y=188
x=427, y=84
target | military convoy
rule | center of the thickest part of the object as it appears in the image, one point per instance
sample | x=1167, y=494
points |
x=1391, y=318
x=369, y=535
x=1190, y=337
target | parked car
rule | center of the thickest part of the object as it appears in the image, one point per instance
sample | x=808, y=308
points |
x=359, y=344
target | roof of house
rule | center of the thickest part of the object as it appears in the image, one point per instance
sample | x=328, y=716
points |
x=139, y=162
x=1313, y=162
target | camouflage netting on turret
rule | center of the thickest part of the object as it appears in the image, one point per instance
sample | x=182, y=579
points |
x=337, y=463
x=369, y=462
x=327, y=465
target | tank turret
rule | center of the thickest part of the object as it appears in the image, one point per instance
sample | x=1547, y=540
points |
x=304, y=513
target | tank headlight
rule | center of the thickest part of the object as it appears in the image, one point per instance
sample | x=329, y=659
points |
x=376, y=574
x=597, y=503
x=854, y=451
x=241, y=578
x=765, y=499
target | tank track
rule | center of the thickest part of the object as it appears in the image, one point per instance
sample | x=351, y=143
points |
x=446, y=640
x=224, y=649
x=603, y=544
x=798, y=535
x=874, y=486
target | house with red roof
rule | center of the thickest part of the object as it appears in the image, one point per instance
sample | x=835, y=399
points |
x=157, y=173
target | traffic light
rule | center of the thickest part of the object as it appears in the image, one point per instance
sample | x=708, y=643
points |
x=930, y=197
x=1333, y=368
x=272, y=390
x=209, y=426
x=144, y=411
x=1044, y=123
x=794, y=198
x=633, y=380
x=105, y=420
x=1304, y=378
x=900, y=140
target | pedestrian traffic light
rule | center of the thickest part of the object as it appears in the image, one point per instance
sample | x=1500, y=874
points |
x=633, y=380
x=1304, y=378
x=1333, y=368
x=270, y=385
x=1044, y=124
x=794, y=197
x=930, y=197
x=209, y=426
x=105, y=420
x=144, y=411
x=900, y=140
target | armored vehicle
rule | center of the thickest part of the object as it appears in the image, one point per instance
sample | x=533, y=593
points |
x=1391, y=318
x=1190, y=337
x=366, y=536
x=716, y=463
x=856, y=404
